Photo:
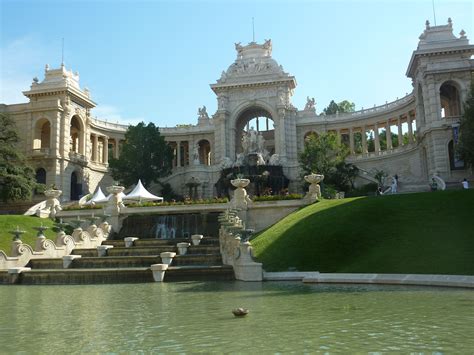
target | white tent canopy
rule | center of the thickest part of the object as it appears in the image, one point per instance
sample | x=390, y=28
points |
x=139, y=193
x=106, y=199
x=97, y=197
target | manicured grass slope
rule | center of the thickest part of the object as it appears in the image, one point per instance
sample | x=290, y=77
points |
x=26, y=223
x=409, y=233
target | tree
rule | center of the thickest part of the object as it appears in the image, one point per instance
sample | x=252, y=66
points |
x=145, y=155
x=322, y=153
x=343, y=106
x=465, y=145
x=17, y=178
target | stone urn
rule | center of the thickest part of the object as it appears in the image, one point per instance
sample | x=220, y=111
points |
x=52, y=206
x=314, y=191
x=240, y=199
x=115, y=203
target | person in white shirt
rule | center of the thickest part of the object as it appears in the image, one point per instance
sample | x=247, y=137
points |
x=465, y=184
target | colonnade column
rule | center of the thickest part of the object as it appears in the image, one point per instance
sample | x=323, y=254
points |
x=178, y=154
x=106, y=150
x=388, y=134
x=117, y=149
x=410, y=129
x=364, y=140
x=376, y=139
x=400, y=134
x=351, y=141
x=95, y=147
x=338, y=134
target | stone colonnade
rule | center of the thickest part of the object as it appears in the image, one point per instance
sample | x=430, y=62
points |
x=100, y=148
x=408, y=118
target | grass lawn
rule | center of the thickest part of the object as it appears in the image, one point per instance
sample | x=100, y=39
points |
x=26, y=223
x=408, y=233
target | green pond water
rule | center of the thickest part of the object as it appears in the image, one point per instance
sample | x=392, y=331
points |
x=196, y=317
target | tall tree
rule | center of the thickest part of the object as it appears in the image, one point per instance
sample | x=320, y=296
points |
x=17, y=178
x=465, y=146
x=343, y=106
x=145, y=155
x=322, y=153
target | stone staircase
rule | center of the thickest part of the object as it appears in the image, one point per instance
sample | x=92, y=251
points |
x=122, y=264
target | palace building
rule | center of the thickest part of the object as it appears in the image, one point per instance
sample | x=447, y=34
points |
x=255, y=117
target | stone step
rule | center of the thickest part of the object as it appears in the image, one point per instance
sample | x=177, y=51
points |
x=156, y=250
x=199, y=272
x=86, y=276
x=117, y=275
x=158, y=242
x=85, y=252
x=56, y=263
x=197, y=259
x=115, y=262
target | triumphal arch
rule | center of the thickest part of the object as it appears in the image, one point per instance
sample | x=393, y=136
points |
x=256, y=125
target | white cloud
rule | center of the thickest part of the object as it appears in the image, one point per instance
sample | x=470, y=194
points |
x=112, y=114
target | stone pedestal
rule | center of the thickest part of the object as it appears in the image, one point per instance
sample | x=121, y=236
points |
x=52, y=206
x=102, y=249
x=196, y=238
x=129, y=241
x=167, y=257
x=159, y=271
x=183, y=248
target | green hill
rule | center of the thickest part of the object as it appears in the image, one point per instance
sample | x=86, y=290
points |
x=407, y=233
x=26, y=223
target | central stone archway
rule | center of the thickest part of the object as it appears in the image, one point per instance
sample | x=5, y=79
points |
x=261, y=121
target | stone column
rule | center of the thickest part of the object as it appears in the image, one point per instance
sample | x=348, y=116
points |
x=376, y=139
x=410, y=129
x=388, y=134
x=117, y=149
x=95, y=147
x=351, y=141
x=364, y=140
x=178, y=154
x=106, y=150
x=338, y=133
x=400, y=133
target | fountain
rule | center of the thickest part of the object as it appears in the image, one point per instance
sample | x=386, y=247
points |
x=264, y=172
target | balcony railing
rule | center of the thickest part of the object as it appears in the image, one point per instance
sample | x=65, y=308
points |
x=78, y=158
x=40, y=152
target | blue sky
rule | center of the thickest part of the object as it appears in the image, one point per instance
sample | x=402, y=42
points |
x=154, y=60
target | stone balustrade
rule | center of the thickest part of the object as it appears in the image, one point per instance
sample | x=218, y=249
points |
x=45, y=248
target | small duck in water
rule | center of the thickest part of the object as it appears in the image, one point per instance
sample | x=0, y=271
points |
x=240, y=312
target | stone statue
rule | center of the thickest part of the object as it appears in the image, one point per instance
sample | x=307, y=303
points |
x=310, y=104
x=226, y=163
x=274, y=160
x=202, y=112
x=240, y=159
x=260, y=143
x=253, y=139
x=260, y=160
x=245, y=143
x=196, y=154
x=239, y=48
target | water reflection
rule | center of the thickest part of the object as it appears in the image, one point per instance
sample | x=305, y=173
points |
x=196, y=317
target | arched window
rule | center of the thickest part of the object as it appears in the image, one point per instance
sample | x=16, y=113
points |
x=42, y=134
x=76, y=186
x=308, y=135
x=40, y=177
x=450, y=100
x=76, y=136
x=204, y=152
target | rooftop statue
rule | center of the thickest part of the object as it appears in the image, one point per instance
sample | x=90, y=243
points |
x=310, y=104
x=202, y=112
